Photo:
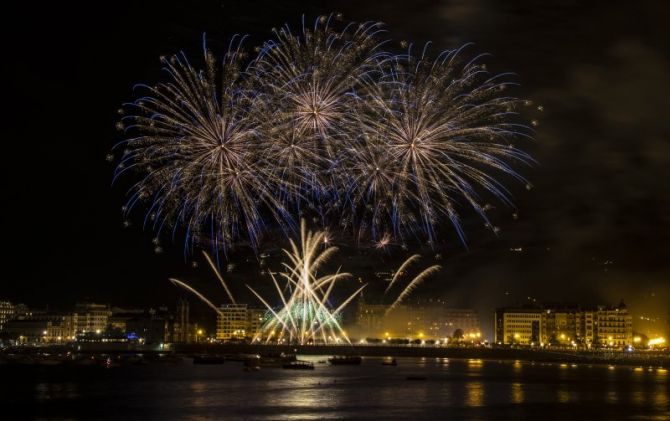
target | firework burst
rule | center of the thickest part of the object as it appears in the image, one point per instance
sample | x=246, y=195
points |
x=322, y=124
x=436, y=131
x=314, y=77
x=197, y=147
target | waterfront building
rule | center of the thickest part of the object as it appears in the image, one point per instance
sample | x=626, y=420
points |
x=60, y=328
x=181, y=325
x=91, y=317
x=149, y=328
x=26, y=330
x=429, y=320
x=6, y=312
x=255, y=319
x=519, y=326
x=564, y=326
x=21, y=311
x=613, y=326
x=41, y=327
x=238, y=321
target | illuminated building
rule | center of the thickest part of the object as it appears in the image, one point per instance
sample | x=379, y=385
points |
x=181, y=327
x=61, y=328
x=6, y=312
x=613, y=326
x=568, y=325
x=90, y=317
x=431, y=320
x=255, y=319
x=26, y=330
x=519, y=326
x=564, y=326
x=238, y=321
x=41, y=327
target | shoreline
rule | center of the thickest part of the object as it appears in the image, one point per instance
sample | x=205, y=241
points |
x=589, y=357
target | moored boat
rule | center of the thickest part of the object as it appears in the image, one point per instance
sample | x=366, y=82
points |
x=345, y=360
x=298, y=365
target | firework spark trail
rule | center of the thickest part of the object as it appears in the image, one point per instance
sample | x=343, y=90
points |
x=418, y=279
x=219, y=277
x=197, y=294
x=401, y=271
x=322, y=123
x=304, y=316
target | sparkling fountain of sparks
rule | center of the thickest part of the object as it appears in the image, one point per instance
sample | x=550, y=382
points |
x=305, y=315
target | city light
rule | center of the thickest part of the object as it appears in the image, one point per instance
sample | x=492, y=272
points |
x=656, y=341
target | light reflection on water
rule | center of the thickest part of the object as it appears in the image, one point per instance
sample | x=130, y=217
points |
x=661, y=396
x=46, y=391
x=465, y=389
x=563, y=394
x=612, y=397
x=516, y=395
x=475, y=393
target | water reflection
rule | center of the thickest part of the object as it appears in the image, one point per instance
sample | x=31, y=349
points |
x=611, y=397
x=516, y=393
x=638, y=397
x=475, y=364
x=198, y=390
x=307, y=392
x=563, y=394
x=661, y=396
x=474, y=395
x=466, y=389
x=49, y=391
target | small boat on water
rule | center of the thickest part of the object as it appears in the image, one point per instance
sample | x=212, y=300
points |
x=298, y=365
x=208, y=359
x=345, y=360
x=276, y=360
x=389, y=361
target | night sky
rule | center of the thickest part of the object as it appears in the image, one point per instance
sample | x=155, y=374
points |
x=595, y=227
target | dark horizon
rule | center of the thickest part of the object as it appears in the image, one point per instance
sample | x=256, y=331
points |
x=595, y=227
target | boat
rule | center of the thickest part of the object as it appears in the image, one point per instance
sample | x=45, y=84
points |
x=241, y=357
x=298, y=365
x=389, y=361
x=208, y=359
x=345, y=360
x=276, y=360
